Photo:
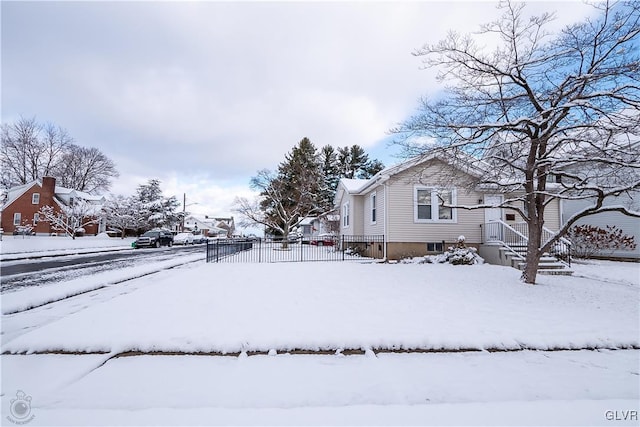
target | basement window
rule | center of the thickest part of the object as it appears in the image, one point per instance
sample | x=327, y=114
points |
x=435, y=247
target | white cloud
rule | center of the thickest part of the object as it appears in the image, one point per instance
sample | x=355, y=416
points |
x=202, y=94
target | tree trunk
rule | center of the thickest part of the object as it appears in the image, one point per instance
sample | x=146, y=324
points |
x=533, y=253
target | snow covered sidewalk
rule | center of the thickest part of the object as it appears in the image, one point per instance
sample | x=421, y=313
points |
x=521, y=388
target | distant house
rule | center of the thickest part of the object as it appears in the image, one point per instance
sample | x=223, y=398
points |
x=22, y=203
x=406, y=204
x=311, y=227
x=629, y=225
x=210, y=226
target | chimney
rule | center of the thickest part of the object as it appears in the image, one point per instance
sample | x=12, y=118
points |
x=48, y=187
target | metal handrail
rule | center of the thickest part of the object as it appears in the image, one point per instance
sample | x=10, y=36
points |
x=561, y=250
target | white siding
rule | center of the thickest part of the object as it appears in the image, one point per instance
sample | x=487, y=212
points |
x=628, y=224
x=378, y=227
x=401, y=224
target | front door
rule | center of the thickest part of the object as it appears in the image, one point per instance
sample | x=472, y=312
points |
x=492, y=215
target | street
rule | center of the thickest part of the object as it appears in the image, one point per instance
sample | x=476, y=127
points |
x=39, y=271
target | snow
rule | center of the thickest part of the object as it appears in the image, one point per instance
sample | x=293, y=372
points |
x=353, y=185
x=184, y=320
x=523, y=388
x=325, y=305
x=20, y=247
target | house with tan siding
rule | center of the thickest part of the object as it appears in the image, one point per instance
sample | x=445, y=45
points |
x=418, y=207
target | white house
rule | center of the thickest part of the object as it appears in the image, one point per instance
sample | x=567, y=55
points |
x=407, y=204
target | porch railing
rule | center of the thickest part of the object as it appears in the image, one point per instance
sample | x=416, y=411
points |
x=515, y=238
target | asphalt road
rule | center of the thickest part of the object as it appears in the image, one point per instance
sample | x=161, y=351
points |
x=34, y=272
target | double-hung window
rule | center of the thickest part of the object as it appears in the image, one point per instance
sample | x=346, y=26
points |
x=35, y=198
x=17, y=218
x=433, y=204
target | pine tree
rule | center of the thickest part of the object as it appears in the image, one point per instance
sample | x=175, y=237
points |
x=158, y=211
x=353, y=162
x=330, y=175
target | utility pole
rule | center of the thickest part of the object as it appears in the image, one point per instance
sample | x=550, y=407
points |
x=184, y=208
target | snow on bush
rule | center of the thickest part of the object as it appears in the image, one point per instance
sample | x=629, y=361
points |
x=458, y=255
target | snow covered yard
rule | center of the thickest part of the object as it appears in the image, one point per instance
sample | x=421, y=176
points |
x=231, y=308
x=276, y=309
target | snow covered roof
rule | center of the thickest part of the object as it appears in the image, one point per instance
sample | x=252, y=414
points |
x=62, y=194
x=308, y=220
x=463, y=162
x=63, y=191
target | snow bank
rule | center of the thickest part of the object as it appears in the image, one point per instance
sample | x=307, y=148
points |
x=231, y=308
x=12, y=247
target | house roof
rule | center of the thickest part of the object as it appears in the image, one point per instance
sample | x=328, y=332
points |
x=60, y=191
x=463, y=162
x=14, y=193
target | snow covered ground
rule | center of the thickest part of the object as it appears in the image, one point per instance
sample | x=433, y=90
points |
x=185, y=318
x=19, y=247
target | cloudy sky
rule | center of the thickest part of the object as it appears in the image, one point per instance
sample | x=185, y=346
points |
x=201, y=95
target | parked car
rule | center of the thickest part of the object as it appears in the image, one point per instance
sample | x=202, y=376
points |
x=199, y=238
x=154, y=238
x=324, y=239
x=183, y=239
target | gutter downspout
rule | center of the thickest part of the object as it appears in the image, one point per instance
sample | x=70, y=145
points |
x=384, y=223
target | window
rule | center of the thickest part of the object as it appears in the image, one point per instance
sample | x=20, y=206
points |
x=424, y=204
x=372, y=198
x=429, y=205
x=35, y=198
x=17, y=218
x=345, y=215
x=36, y=218
x=435, y=247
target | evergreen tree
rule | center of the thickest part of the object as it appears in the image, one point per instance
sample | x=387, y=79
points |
x=330, y=175
x=157, y=211
x=371, y=168
x=353, y=162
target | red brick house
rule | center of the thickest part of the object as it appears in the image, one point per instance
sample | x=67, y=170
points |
x=23, y=202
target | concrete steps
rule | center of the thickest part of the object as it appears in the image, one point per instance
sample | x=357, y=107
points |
x=549, y=265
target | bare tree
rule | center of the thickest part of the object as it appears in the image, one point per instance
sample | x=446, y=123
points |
x=86, y=169
x=123, y=213
x=29, y=151
x=279, y=207
x=553, y=116
x=69, y=219
x=20, y=152
x=274, y=208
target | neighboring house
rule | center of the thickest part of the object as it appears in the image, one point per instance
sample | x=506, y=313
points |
x=404, y=203
x=23, y=202
x=629, y=225
x=209, y=226
x=313, y=226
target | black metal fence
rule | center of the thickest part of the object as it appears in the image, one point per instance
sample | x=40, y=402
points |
x=342, y=248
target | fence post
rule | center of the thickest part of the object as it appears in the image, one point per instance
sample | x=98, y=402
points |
x=342, y=246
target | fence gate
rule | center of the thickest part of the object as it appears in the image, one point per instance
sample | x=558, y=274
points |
x=343, y=248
